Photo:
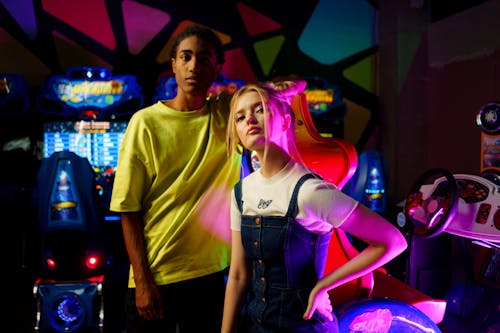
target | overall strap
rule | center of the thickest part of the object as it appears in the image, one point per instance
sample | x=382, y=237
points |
x=293, y=207
x=237, y=194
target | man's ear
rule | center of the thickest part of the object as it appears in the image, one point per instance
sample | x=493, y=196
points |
x=218, y=70
x=172, y=64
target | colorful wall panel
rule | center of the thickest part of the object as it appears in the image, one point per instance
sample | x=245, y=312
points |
x=333, y=39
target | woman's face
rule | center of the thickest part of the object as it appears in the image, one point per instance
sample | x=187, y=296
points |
x=250, y=119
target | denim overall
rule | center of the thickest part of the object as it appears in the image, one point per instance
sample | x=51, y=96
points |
x=287, y=261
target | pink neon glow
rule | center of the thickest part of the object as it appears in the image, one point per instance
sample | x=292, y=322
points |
x=92, y=262
x=51, y=263
x=142, y=24
x=213, y=211
x=89, y=17
x=255, y=22
x=378, y=321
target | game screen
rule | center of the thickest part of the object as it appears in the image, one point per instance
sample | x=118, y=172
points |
x=326, y=106
x=320, y=100
x=98, y=141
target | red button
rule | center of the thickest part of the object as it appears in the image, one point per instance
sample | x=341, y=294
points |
x=496, y=219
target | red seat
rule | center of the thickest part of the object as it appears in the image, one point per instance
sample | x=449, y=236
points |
x=336, y=161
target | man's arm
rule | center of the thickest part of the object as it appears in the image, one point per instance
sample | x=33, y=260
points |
x=148, y=300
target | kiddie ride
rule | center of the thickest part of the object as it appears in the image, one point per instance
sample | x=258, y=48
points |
x=466, y=206
x=86, y=114
x=462, y=205
x=466, y=209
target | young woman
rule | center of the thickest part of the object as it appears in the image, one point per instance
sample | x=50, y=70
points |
x=282, y=217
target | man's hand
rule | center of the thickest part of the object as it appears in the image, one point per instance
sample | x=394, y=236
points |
x=148, y=301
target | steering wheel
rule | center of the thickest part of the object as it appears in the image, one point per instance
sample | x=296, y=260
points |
x=431, y=215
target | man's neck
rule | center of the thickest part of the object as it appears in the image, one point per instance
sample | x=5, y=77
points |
x=185, y=102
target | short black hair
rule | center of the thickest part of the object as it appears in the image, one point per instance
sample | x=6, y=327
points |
x=203, y=33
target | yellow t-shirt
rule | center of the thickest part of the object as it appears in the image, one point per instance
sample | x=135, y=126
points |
x=173, y=168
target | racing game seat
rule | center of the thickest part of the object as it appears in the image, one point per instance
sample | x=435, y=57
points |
x=336, y=160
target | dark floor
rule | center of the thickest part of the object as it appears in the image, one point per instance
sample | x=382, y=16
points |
x=478, y=313
x=21, y=310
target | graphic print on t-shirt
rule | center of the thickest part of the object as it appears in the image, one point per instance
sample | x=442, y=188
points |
x=263, y=204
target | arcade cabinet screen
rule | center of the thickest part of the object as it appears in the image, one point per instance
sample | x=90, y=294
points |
x=320, y=100
x=327, y=108
x=98, y=141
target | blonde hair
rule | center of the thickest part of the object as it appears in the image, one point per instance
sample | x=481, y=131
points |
x=274, y=102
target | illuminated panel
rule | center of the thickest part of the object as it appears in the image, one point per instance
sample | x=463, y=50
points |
x=362, y=73
x=138, y=33
x=89, y=17
x=237, y=66
x=90, y=93
x=99, y=142
x=69, y=306
x=319, y=100
x=22, y=11
x=267, y=51
x=338, y=29
x=255, y=22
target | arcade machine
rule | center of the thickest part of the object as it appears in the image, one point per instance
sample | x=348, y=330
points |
x=368, y=184
x=326, y=106
x=465, y=207
x=85, y=116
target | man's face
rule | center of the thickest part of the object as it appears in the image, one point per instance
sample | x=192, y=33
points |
x=195, y=66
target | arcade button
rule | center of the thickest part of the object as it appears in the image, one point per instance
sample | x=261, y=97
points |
x=488, y=118
x=491, y=175
x=483, y=213
x=496, y=219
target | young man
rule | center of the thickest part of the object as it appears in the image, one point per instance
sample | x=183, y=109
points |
x=172, y=188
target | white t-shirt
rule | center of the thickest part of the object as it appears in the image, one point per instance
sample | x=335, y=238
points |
x=321, y=205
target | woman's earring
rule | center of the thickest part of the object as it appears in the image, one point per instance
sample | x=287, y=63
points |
x=286, y=122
